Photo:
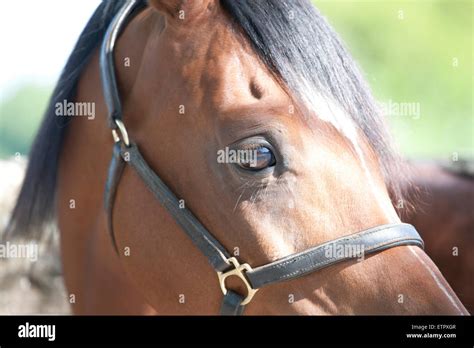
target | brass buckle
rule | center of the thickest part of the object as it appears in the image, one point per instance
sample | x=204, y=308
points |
x=237, y=271
x=123, y=133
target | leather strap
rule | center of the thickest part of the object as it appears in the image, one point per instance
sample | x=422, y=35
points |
x=293, y=266
x=231, y=304
x=107, y=63
x=113, y=179
x=200, y=236
x=324, y=255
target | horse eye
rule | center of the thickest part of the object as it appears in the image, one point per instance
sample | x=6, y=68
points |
x=257, y=159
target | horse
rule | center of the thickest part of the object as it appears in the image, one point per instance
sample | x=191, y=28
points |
x=193, y=78
x=444, y=194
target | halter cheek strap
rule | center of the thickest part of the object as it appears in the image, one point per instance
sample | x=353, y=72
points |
x=126, y=153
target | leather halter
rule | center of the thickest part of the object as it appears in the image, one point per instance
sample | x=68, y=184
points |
x=126, y=152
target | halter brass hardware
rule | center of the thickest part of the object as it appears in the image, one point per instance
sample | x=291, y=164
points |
x=237, y=271
x=123, y=133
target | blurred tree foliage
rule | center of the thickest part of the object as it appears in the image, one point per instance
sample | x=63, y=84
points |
x=410, y=52
x=20, y=116
x=416, y=51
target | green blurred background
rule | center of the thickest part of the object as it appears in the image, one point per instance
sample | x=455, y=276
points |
x=410, y=52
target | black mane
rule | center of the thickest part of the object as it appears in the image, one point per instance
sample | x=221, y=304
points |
x=35, y=205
